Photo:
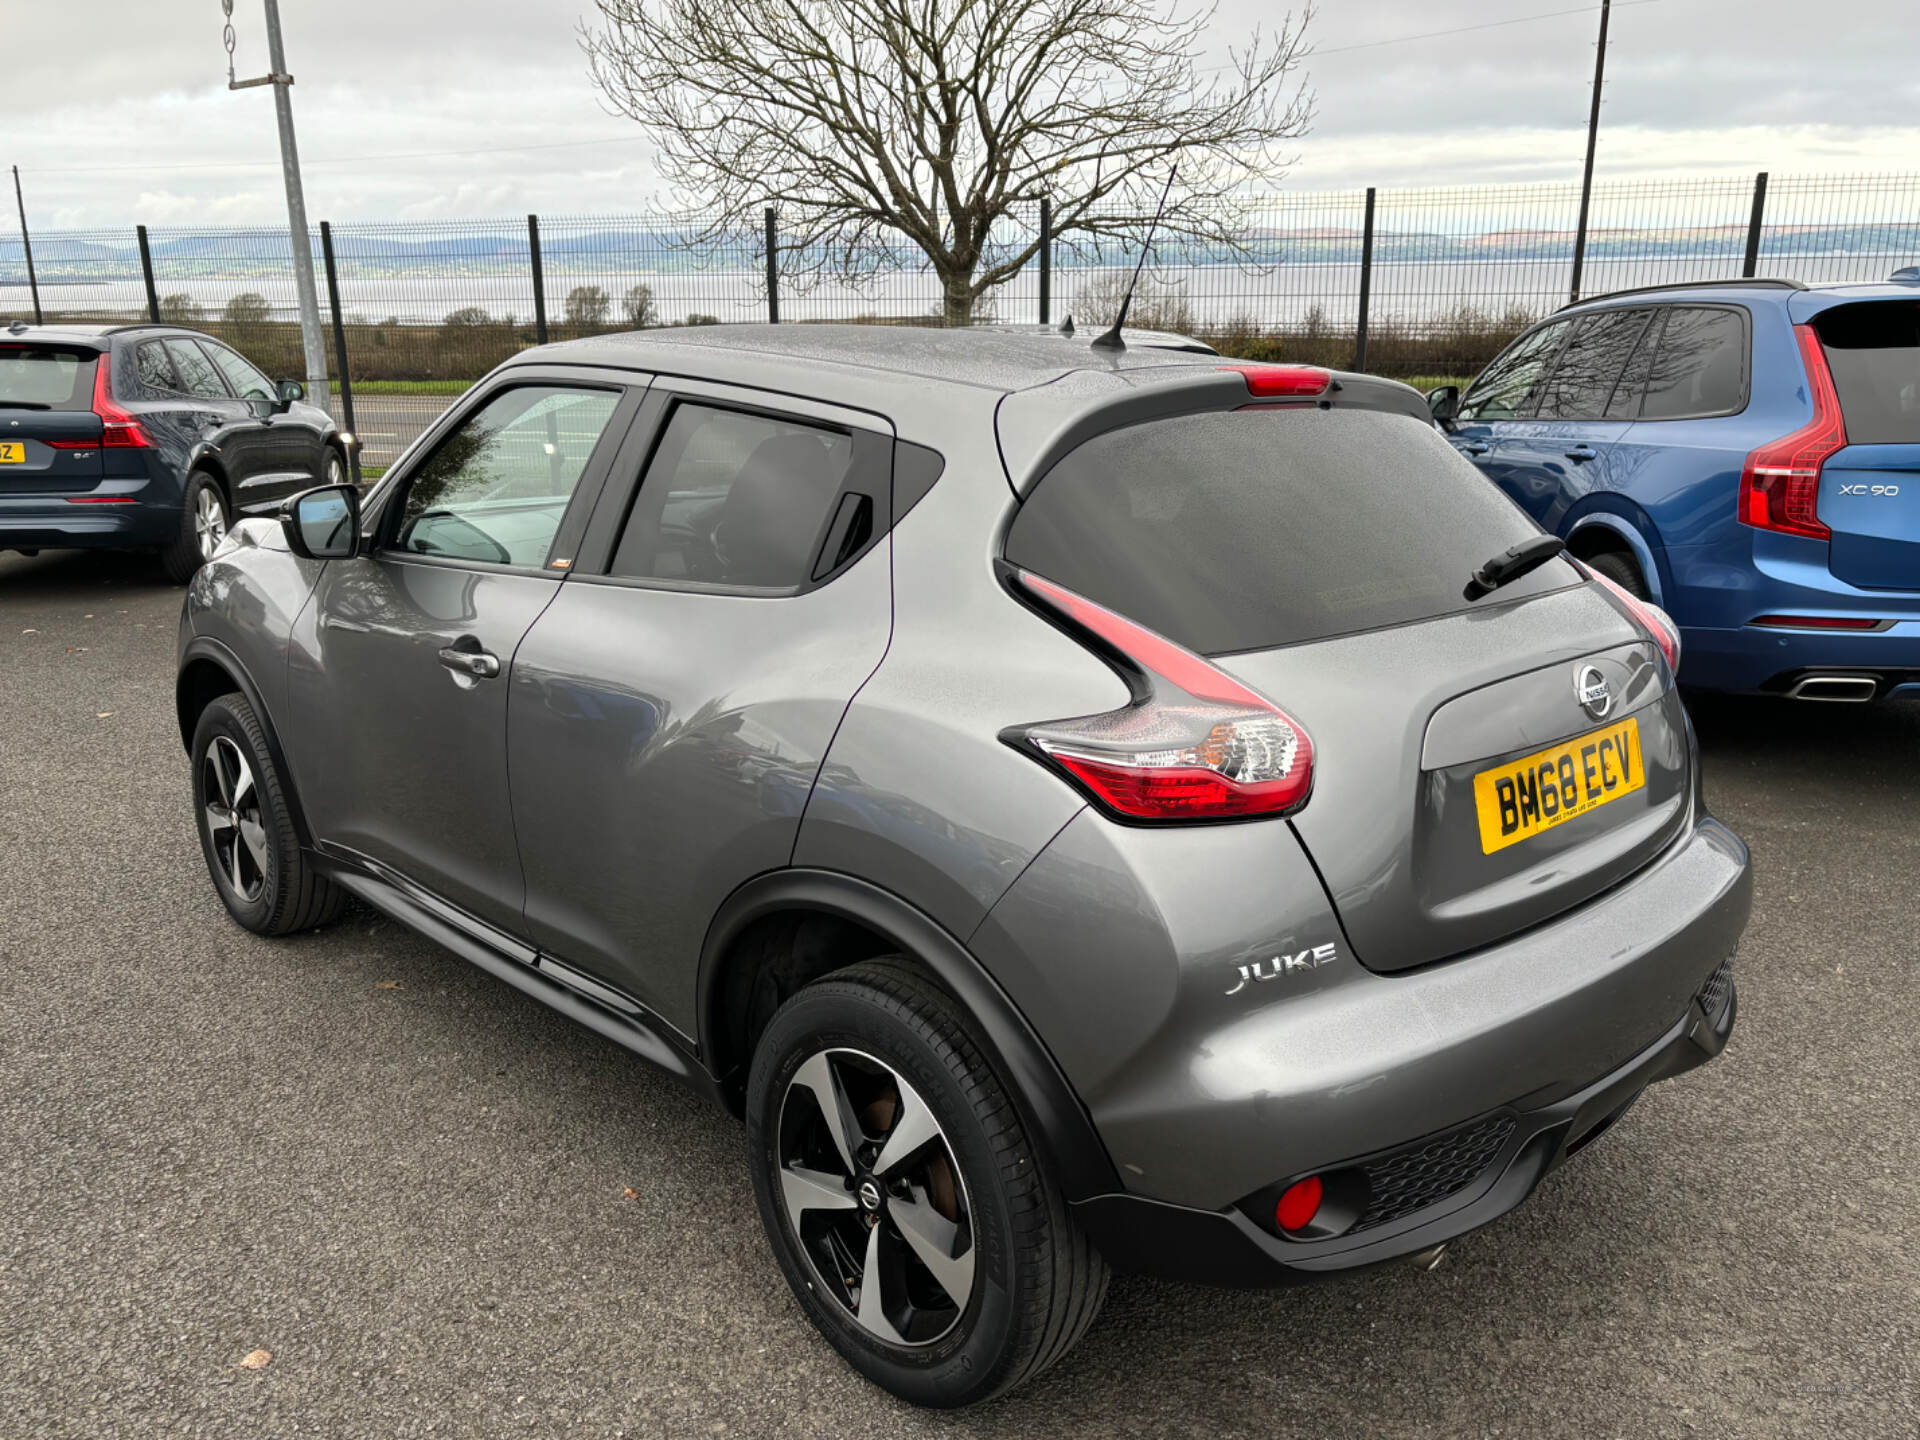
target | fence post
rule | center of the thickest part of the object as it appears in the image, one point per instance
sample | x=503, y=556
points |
x=1366, y=285
x=1046, y=259
x=340, y=352
x=1753, y=225
x=773, y=270
x=539, y=280
x=26, y=245
x=146, y=269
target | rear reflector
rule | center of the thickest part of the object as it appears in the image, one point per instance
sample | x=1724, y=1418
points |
x=1780, y=486
x=71, y=444
x=1194, y=745
x=1817, y=622
x=103, y=500
x=1282, y=381
x=1299, y=1204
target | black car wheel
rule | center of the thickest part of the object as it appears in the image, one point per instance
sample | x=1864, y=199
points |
x=246, y=830
x=334, y=471
x=909, y=1210
x=204, y=522
x=1622, y=571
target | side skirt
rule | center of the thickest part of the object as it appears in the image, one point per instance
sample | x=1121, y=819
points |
x=600, y=1007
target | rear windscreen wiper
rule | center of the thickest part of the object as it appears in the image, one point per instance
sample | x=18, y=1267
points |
x=1509, y=565
x=23, y=405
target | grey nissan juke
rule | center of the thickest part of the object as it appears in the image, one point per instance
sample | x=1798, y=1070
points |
x=1083, y=806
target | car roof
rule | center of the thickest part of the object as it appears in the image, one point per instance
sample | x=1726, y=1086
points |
x=21, y=331
x=995, y=357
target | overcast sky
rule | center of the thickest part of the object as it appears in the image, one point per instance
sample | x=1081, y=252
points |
x=129, y=118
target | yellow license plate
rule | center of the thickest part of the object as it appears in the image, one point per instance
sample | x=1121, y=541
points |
x=1518, y=800
x=12, y=452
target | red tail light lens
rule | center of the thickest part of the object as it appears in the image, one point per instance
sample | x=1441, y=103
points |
x=1283, y=381
x=1780, y=486
x=118, y=429
x=1816, y=622
x=1651, y=618
x=1299, y=1204
x=1194, y=745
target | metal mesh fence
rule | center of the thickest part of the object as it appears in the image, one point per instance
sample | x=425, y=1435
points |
x=427, y=307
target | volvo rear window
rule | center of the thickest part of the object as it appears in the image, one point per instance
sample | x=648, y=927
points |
x=1257, y=528
x=1873, y=350
x=41, y=377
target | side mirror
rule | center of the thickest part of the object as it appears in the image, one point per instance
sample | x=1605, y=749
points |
x=290, y=391
x=323, y=524
x=1444, y=405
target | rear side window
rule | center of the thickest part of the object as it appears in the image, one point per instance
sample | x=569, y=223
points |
x=155, y=370
x=1589, y=367
x=1503, y=392
x=1699, y=367
x=38, y=377
x=1873, y=350
x=1257, y=528
x=197, y=375
x=736, y=499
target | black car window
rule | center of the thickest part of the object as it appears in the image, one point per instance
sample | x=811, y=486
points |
x=1700, y=368
x=1873, y=350
x=197, y=375
x=497, y=487
x=1589, y=365
x=44, y=377
x=736, y=499
x=247, y=382
x=1257, y=528
x=154, y=369
x=1632, y=386
x=1503, y=391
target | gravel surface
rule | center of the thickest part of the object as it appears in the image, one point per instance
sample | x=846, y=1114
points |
x=443, y=1210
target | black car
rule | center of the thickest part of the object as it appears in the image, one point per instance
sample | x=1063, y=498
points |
x=147, y=437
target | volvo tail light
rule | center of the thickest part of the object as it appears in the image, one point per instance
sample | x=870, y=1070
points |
x=1651, y=618
x=1780, y=486
x=1194, y=745
x=118, y=429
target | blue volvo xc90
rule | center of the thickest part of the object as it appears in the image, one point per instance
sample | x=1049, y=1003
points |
x=1745, y=454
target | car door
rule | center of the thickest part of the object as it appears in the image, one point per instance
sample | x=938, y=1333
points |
x=670, y=710
x=1505, y=392
x=1562, y=450
x=397, y=674
x=288, y=447
x=230, y=429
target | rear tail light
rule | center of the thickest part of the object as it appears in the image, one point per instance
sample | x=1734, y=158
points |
x=1195, y=744
x=1655, y=621
x=1281, y=381
x=118, y=429
x=1780, y=486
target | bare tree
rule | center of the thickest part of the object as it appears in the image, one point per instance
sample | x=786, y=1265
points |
x=878, y=125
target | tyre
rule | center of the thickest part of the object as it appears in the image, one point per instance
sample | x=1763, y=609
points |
x=1623, y=571
x=333, y=470
x=246, y=830
x=907, y=1205
x=204, y=522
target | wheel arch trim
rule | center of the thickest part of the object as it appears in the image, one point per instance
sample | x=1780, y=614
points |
x=204, y=649
x=1636, y=542
x=1052, y=1111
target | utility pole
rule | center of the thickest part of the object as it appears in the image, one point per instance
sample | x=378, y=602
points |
x=26, y=247
x=1593, y=136
x=312, y=340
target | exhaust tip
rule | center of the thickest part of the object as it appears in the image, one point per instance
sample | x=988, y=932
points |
x=1430, y=1259
x=1841, y=689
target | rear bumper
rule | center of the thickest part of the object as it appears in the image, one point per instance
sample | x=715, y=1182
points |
x=1759, y=660
x=1229, y=1248
x=32, y=522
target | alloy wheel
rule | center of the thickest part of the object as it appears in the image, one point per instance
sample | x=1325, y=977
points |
x=209, y=520
x=875, y=1196
x=336, y=472
x=235, y=826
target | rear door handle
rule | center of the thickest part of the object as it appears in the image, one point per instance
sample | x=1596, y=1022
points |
x=1583, y=452
x=477, y=663
x=1476, y=447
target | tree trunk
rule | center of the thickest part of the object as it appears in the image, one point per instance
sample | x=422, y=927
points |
x=956, y=299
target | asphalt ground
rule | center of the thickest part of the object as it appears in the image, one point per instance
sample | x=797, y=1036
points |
x=446, y=1211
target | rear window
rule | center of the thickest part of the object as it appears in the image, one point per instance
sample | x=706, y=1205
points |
x=1873, y=351
x=37, y=377
x=1257, y=528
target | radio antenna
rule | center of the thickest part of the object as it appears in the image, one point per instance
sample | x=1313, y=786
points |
x=1111, y=339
